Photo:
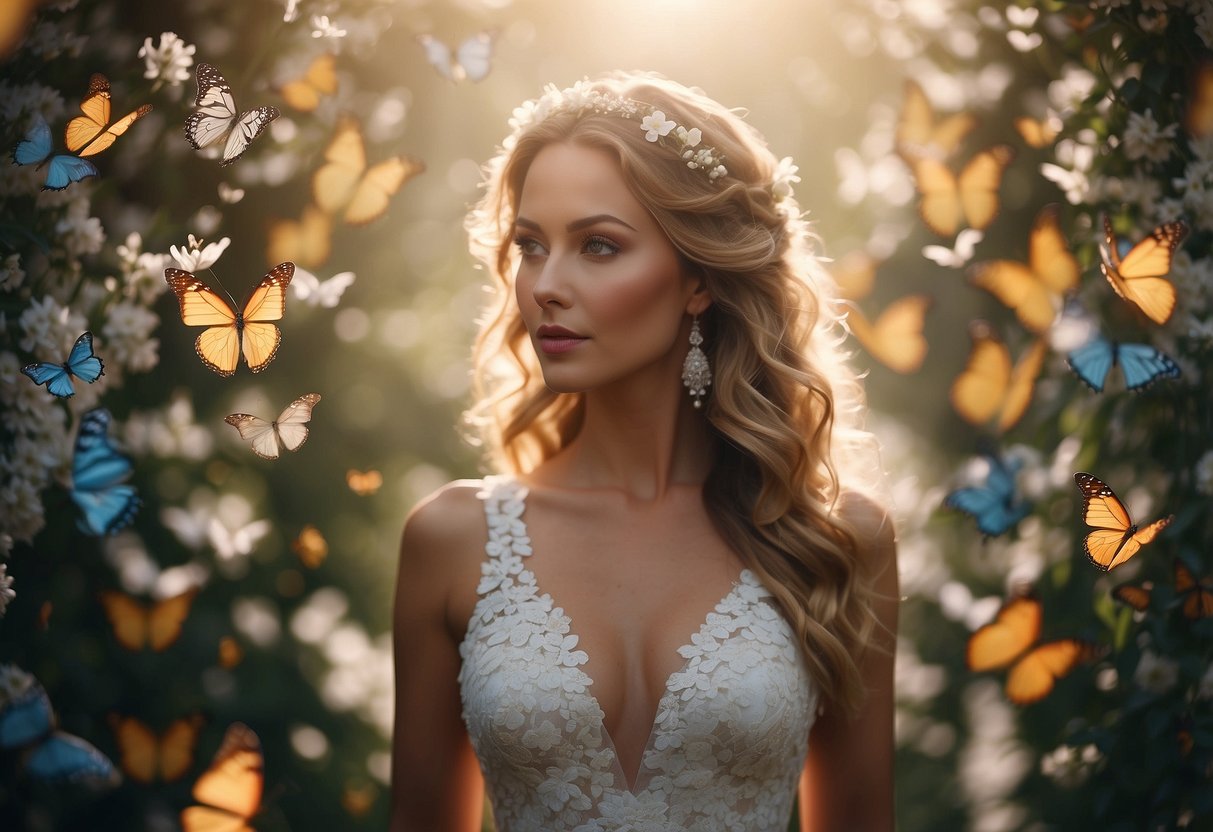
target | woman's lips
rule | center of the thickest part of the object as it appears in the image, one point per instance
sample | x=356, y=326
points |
x=554, y=340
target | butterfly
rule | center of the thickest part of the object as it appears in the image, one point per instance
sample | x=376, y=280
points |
x=895, y=338
x=1141, y=364
x=1039, y=133
x=146, y=756
x=307, y=242
x=51, y=756
x=1196, y=593
x=288, y=431
x=989, y=386
x=316, y=292
x=62, y=169
x=92, y=132
x=363, y=483
x=310, y=546
x=970, y=196
x=137, y=625
x=995, y=505
x=1116, y=538
x=229, y=333
x=1136, y=596
x=216, y=118
x=81, y=363
x=230, y=790
x=320, y=79
x=344, y=184
x=855, y=274
x=471, y=59
x=1138, y=274
x=1034, y=291
x=961, y=253
x=1011, y=639
x=97, y=473
x=920, y=135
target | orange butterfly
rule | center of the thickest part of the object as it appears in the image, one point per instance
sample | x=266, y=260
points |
x=1011, y=637
x=307, y=241
x=310, y=546
x=1196, y=593
x=137, y=626
x=1039, y=133
x=1034, y=290
x=146, y=756
x=231, y=788
x=1116, y=538
x=920, y=135
x=92, y=132
x=363, y=483
x=229, y=333
x=1138, y=274
x=989, y=386
x=320, y=79
x=345, y=184
x=970, y=196
x=895, y=338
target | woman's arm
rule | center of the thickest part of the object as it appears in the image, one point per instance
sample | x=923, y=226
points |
x=436, y=781
x=847, y=784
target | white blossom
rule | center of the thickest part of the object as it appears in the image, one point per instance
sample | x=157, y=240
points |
x=1157, y=674
x=48, y=329
x=6, y=588
x=322, y=27
x=170, y=61
x=656, y=125
x=142, y=270
x=78, y=232
x=127, y=332
x=195, y=257
x=1145, y=139
x=11, y=273
x=290, y=12
x=1204, y=474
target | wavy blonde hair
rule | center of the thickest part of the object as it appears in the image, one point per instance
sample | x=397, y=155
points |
x=783, y=401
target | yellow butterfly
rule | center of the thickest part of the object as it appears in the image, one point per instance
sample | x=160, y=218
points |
x=320, y=79
x=1039, y=132
x=1116, y=537
x=363, y=483
x=989, y=386
x=1034, y=291
x=146, y=756
x=971, y=197
x=310, y=546
x=229, y=333
x=230, y=790
x=1138, y=274
x=92, y=132
x=344, y=184
x=137, y=625
x=920, y=135
x=895, y=339
x=307, y=241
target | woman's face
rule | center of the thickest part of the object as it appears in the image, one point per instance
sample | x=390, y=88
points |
x=601, y=289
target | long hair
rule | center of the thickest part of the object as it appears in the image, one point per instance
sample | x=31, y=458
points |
x=783, y=406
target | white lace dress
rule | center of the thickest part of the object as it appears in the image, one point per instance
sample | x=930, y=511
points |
x=727, y=745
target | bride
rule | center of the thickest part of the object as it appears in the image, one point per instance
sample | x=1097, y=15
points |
x=673, y=608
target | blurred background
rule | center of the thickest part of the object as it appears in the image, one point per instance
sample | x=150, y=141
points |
x=293, y=560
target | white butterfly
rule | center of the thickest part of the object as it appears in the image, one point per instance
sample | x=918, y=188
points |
x=954, y=258
x=313, y=291
x=288, y=431
x=471, y=57
x=217, y=119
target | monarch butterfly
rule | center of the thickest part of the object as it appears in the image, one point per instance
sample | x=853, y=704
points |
x=471, y=59
x=62, y=169
x=288, y=431
x=217, y=119
x=230, y=333
x=146, y=756
x=344, y=184
x=895, y=338
x=1195, y=594
x=92, y=132
x=970, y=196
x=308, y=241
x=989, y=386
x=81, y=363
x=1011, y=638
x=320, y=79
x=1141, y=364
x=920, y=135
x=1138, y=274
x=1136, y=596
x=1033, y=290
x=230, y=790
x=98, y=470
x=1116, y=538
x=137, y=625
x=995, y=505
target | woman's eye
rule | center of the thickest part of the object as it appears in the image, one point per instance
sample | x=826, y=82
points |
x=529, y=246
x=596, y=246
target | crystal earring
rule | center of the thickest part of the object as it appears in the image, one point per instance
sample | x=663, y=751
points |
x=696, y=374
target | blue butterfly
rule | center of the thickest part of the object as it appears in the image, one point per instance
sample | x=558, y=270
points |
x=80, y=363
x=97, y=469
x=62, y=168
x=1141, y=364
x=995, y=505
x=26, y=722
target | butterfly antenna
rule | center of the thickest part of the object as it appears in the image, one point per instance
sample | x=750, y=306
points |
x=219, y=283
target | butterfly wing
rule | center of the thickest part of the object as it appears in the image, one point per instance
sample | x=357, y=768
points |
x=304, y=93
x=474, y=55
x=306, y=241
x=315, y=292
x=292, y=422
x=940, y=206
x=55, y=376
x=1136, y=596
x=1139, y=277
x=164, y=619
x=82, y=362
x=246, y=128
x=1115, y=540
x=980, y=389
x=258, y=431
x=1034, y=676
x=1037, y=133
x=896, y=338
x=918, y=133
x=138, y=748
x=266, y=303
x=1142, y=365
x=1093, y=361
x=1022, y=385
x=334, y=183
x=1049, y=254
x=177, y=747
x=1014, y=629
x=97, y=469
x=215, y=109
x=219, y=345
x=376, y=188
x=36, y=145
x=66, y=758
x=25, y=717
x=438, y=54
x=63, y=170
x=83, y=129
x=1019, y=290
x=231, y=787
x=979, y=183
x=128, y=618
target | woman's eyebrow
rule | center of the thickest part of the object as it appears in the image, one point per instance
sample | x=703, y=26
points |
x=575, y=224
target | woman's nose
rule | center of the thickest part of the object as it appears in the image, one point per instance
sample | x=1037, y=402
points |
x=551, y=286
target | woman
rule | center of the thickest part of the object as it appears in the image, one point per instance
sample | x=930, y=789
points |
x=670, y=613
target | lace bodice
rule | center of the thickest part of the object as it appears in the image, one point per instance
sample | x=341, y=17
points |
x=727, y=744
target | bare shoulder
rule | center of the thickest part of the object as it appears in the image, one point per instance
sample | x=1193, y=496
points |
x=872, y=525
x=446, y=519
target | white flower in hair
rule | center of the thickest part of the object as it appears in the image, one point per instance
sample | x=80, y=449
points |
x=782, y=179
x=690, y=138
x=656, y=125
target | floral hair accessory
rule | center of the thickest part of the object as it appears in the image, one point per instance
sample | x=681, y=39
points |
x=581, y=97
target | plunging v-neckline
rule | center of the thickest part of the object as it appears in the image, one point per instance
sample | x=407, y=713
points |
x=608, y=741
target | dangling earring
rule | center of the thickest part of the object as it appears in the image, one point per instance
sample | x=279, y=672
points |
x=696, y=374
